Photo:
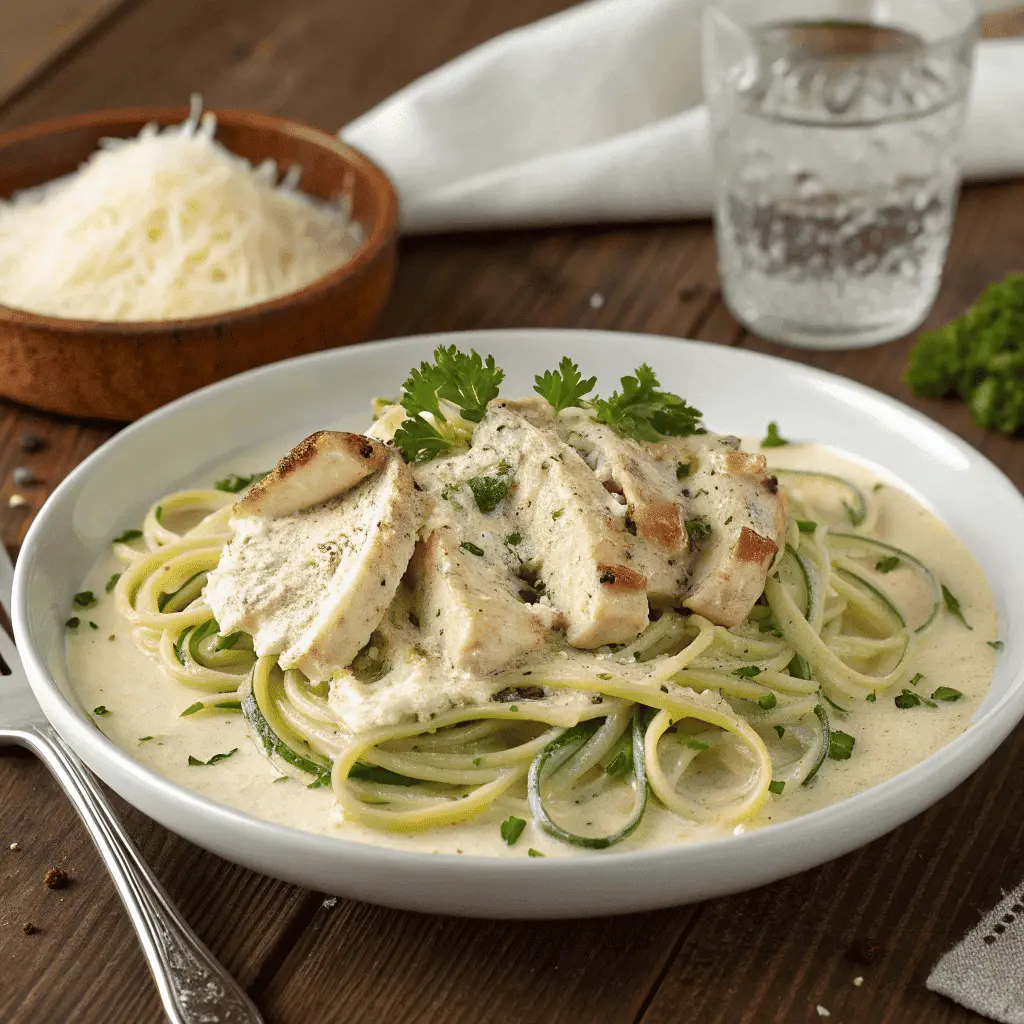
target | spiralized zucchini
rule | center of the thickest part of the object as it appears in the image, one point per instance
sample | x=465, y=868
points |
x=694, y=718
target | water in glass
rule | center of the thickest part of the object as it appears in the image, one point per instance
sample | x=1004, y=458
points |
x=837, y=159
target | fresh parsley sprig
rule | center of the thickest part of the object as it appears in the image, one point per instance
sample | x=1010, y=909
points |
x=466, y=381
x=565, y=387
x=644, y=413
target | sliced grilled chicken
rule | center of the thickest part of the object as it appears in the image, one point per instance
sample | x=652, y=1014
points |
x=736, y=520
x=470, y=607
x=651, y=493
x=311, y=585
x=324, y=465
x=575, y=529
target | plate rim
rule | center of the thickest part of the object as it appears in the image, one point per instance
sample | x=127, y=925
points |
x=981, y=739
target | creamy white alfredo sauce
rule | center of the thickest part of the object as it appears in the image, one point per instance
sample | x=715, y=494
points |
x=144, y=705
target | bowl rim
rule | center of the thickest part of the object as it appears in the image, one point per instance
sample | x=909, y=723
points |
x=382, y=235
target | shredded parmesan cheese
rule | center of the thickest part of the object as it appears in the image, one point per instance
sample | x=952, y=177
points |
x=166, y=225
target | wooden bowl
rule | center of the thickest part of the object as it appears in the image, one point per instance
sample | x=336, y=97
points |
x=120, y=371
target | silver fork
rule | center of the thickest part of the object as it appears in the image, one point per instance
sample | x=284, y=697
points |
x=194, y=987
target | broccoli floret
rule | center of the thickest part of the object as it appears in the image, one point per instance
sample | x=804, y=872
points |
x=980, y=357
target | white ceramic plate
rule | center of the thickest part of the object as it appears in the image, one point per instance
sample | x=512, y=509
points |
x=738, y=391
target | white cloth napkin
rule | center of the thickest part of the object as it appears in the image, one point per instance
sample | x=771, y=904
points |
x=595, y=115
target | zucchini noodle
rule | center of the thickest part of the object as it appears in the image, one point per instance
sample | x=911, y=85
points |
x=695, y=718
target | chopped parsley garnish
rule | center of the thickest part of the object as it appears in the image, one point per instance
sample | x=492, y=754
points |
x=467, y=382
x=84, y=599
x=979, y=357
x=488, y=491
x=101, y=711
x=806, y=525
x=192, y=709
x=112, y=582
x=514, y=538
x=698, y=529
x=946, y=693
x=887, y=564
x=233, y=483
x=918, y=676
x=473, y=549
x=840, y=745
x=73, y=623
x=996, y=645
x=643, y=412
x=693, y=743
x=871, y=697
x=747, y=671
x=909, y=699
x=773, y=439
x=780, y=731
x=776, y=788
x=195, y=762
x=682, y=470
x=144, y=739
x=799, y=667
x=158, y=515
x=126, y=536
x=531, y=852
x=92, y=625
x=768, y=701
x=558, y=513
x=563, y=388
x=511, y=829
x=621, y=762
x=953, y=606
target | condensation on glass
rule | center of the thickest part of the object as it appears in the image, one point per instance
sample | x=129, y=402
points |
x=837, y=134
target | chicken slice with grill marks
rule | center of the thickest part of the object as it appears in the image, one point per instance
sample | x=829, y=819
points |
x=574, y=529
x=736, y=520
x=651, y=493
x=317, y=552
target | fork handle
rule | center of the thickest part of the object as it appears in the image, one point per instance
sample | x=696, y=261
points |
x=194, y=987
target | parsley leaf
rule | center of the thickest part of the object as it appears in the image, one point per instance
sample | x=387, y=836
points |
x=996, y=645
x=840, y=745
x=84, y=599
x=514, y=538
x=473, y=549
x=698, y=529
x=531, y=852
x=195, y=762
x=887, y=564
x=806, y=525
x=644, y=413
x=979, y=357
x=907, y=699
x=776, y=788
x=946, y=693
x=101, y=711
x=112, y=582
x=511, y=829
x=126, y=536
x=192, y=709
x=773, y=439
x=233, y=483
x=467, y=382
x=73, y=623
x=621, y=762
x=488, y=491
x=747, y=671
x=953, y=606
x=563, y=388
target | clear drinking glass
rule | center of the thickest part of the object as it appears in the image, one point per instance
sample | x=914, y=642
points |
x=837, y=130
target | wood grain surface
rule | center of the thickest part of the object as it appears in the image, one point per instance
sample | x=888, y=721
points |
x=770, y=955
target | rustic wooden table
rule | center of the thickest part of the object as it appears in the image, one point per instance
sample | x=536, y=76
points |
x=770, y=955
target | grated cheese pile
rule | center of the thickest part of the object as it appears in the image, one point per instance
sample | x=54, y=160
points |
x=166, y=225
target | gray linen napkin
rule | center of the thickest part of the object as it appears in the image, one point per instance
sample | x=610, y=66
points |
x=985, y=971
